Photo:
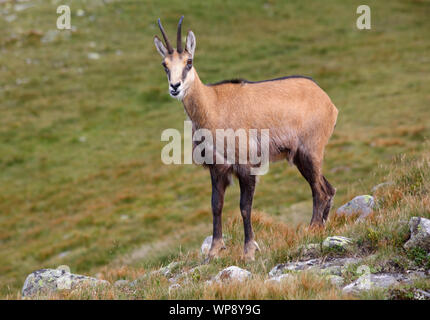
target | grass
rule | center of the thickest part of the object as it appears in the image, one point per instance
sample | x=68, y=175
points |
x=81, y=178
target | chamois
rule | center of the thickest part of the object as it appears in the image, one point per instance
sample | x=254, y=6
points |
x=298, y=113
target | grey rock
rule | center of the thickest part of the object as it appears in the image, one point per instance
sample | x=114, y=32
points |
x=413, y=275
x=330, y=266
x=421, y=295
x=232, y=273
x=293, y=266
x=48, y=281
x=167, y=270
x=372, y=281
x=279, y=279
x=336, y=242
x=363, y=205
x=382, y=281
x=336, y=280
x=420, y=234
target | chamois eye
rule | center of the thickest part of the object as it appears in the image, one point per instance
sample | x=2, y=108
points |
x=189, y=63
x=165, y=67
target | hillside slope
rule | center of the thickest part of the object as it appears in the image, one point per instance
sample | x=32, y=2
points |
x=82, y=111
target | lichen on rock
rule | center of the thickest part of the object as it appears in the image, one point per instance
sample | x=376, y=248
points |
x=232, y=273
x=420, y=234
x=48, y=281
x=361, y=205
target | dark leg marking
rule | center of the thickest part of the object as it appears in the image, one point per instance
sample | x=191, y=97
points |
x=247, y=188
x=220, y=181
x=322, y=191
x=247, y=184
x=331, y=192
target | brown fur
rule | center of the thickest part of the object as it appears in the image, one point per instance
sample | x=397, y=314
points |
x=298, y=113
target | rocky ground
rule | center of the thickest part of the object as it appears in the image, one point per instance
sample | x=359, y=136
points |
x=334, y=259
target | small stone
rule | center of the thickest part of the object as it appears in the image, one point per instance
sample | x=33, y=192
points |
x=206, y=245
x=21, y=7
x=99, y=275
x=232, y=273
x=362, y=205
x=50, y=36
x=337, y=242
x=167, y=270
x=64, y=267
x=93, y=56
x=421, y=294
x=63, y=254
x=420, y=234
x=121, y=283
x=20, y=81
x=10, y=18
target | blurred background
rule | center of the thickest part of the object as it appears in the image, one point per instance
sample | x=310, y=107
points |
x=82, y=111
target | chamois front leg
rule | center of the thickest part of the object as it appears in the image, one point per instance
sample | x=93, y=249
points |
x=220, y=181
x=247, y=188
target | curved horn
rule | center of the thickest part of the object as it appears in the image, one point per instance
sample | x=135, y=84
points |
x=169, y=46
x=179, y=40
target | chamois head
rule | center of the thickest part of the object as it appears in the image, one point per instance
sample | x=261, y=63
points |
x=178, y=63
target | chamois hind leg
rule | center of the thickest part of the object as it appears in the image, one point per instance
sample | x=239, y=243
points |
x=310, y=167
x=220, y=180
x=331, y=192
x=247, y=187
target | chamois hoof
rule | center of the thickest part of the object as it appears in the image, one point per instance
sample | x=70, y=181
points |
x=317, y=224
x=215, y=251
x=250, y=249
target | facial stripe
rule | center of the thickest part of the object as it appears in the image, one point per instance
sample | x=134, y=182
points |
x=185, y=72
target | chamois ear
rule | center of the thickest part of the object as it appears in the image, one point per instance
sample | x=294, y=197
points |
x=191, y=43
x=160, y=46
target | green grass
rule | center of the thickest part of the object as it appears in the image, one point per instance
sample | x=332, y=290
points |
x=81, y=180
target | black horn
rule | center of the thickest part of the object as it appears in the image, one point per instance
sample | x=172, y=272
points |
x=168, y=45
x=179, y=36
